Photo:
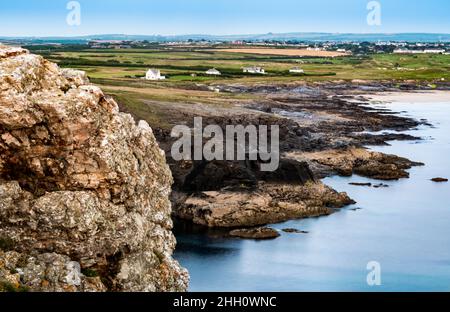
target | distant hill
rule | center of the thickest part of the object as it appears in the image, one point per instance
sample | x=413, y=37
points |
x=297, y=36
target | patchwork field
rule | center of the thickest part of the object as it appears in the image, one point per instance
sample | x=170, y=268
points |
x=184, y=65
x=287, y=52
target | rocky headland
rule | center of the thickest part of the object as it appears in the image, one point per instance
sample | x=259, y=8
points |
x=323, y=132
x=84, y=190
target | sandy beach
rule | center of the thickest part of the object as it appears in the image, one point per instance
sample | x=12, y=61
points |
x=413, y=97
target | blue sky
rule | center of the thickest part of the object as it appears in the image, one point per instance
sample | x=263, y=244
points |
x=168, y=17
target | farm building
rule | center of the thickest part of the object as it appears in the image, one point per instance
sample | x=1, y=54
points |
x=254, y=70
x=213, y=72
x=434, y=51
x=154, y=74
x=296, y=70
x=406, y=51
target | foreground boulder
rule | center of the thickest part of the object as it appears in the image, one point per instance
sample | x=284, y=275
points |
x=83, y=189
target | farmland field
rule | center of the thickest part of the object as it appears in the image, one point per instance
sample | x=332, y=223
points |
x=188, y=65
x=119, y=73
x=287, y=52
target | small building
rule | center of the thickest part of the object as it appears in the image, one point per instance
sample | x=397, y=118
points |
x=254, y=70
x=407, y=51
x=430, y=51
x=296, y=70
x=154, y=74
x=434, y=51
x=213, y=72
x=314, y=49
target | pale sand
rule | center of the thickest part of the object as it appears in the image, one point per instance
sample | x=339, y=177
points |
x=411, y=97
x=285, y=52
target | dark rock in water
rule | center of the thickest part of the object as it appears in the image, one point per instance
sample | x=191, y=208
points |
x=374, y=165
x=255, y=233
x=380, y=185
x=386, y=167
x=356, y=209
x=361, y=184
x=439, y=180
x=295, y=231
x=383, y=139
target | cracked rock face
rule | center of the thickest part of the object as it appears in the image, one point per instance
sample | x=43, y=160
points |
x=228, y=195
x=82, y=187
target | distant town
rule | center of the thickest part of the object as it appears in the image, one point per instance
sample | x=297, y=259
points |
x=353, y=47
x=350, y=43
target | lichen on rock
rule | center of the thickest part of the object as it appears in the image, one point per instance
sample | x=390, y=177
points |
x=81, y=185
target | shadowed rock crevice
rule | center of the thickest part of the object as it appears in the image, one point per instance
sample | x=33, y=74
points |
x=231, y=194
x=216, y=175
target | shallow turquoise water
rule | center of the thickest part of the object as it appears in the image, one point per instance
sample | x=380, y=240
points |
x=406, y=228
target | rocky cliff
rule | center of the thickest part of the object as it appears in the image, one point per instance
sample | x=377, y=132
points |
x=237, y=194
x=83, y=190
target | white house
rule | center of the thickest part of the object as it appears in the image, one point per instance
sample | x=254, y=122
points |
x=154, y=74
x=406, y=51
x=401, y=51
x=296, y=70
x=213, y=72
x=434, y=51
x=254, y=70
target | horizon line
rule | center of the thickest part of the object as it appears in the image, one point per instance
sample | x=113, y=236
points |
x=223, y=35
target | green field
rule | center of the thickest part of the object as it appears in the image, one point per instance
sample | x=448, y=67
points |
x=178, y=64
x=118, y=72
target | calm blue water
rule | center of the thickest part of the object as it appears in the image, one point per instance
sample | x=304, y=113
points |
x=406, y=228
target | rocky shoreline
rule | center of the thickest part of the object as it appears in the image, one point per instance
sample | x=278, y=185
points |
x=86, y=191
x=322, y=133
